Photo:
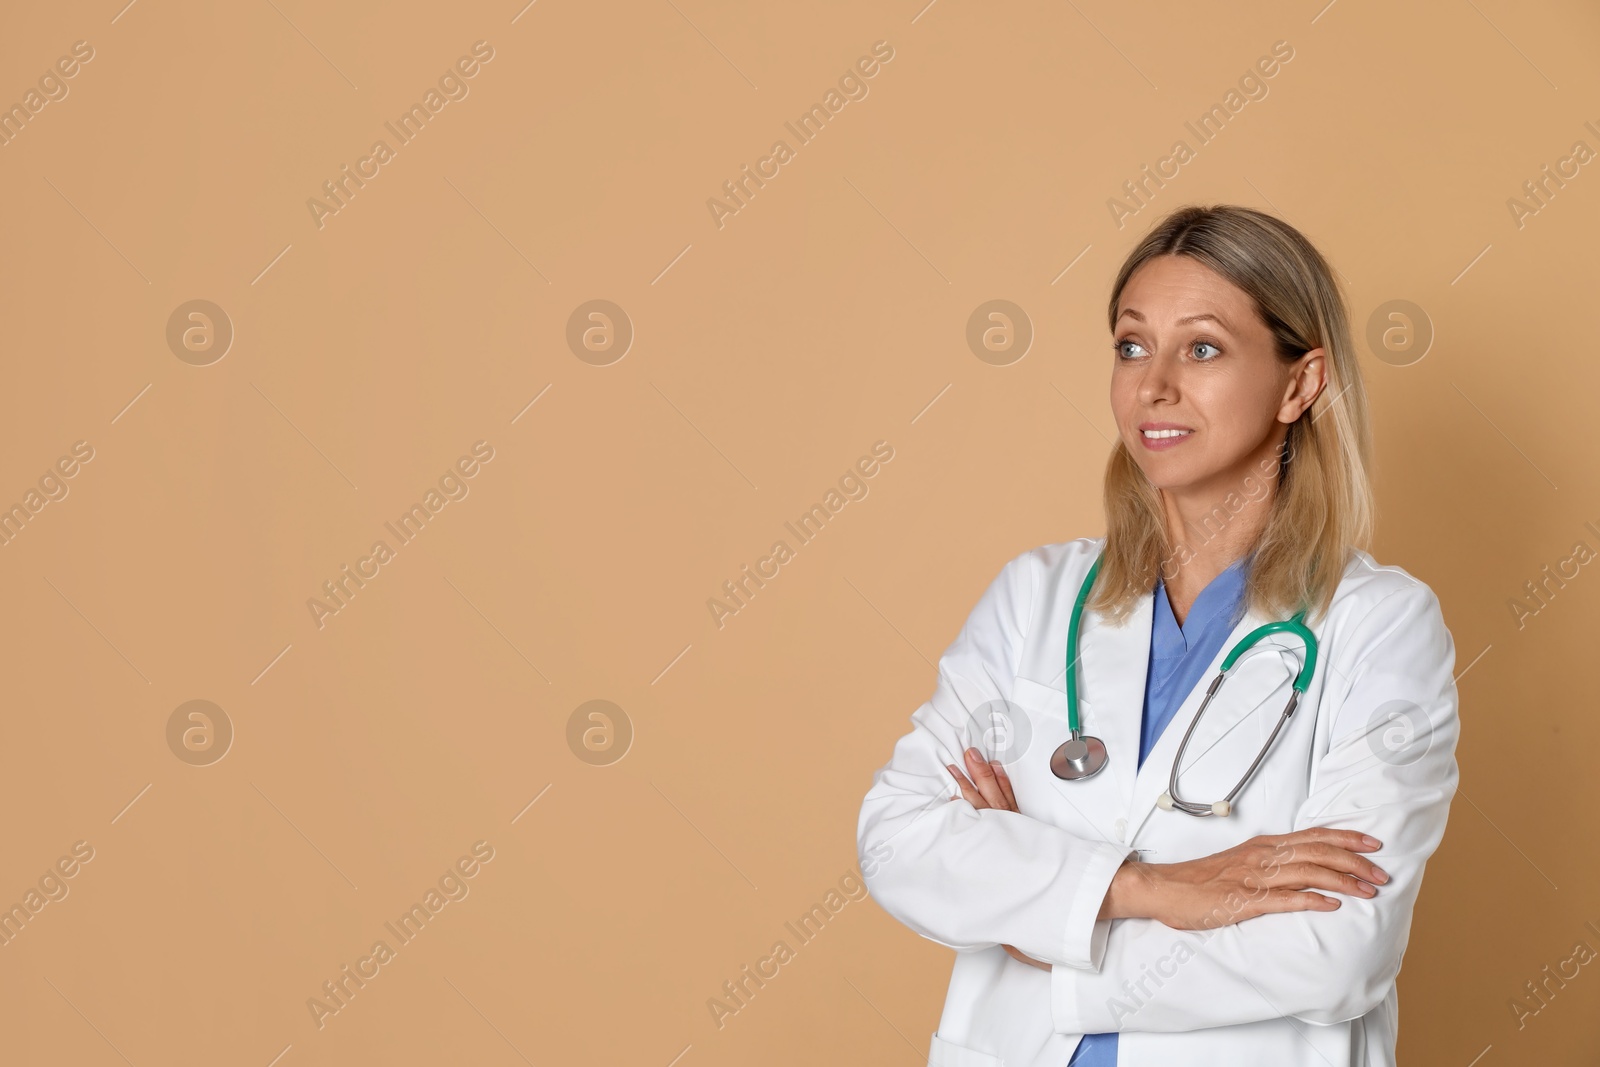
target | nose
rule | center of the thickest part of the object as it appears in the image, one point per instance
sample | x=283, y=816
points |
x=1159, y=382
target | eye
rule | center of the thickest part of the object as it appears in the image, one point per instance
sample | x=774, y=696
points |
x=1215, y=351
x=1117, y=347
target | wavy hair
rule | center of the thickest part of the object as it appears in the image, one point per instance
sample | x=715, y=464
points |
x=1323, y=504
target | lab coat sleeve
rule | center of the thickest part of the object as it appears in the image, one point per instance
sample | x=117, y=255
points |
x=1321, y=967
x=971, y=878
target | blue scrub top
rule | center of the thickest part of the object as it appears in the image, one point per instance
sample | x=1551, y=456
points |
x=1179, y=656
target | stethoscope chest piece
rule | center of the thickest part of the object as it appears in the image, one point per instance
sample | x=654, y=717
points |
x=1081, y=757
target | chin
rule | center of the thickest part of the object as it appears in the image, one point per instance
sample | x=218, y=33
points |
x=1175, y=479
x=1170, y=477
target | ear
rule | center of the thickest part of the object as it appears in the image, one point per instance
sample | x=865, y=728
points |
x=1307, y=377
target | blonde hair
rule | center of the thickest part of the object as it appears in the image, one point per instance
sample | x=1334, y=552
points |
x=1323, y=504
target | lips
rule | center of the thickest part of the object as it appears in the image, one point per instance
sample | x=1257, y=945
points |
x=1163, y=435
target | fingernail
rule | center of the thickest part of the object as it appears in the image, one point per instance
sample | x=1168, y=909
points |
x=999, y=768
x=1380, y=875
x=1371, y=842
x=975, y=754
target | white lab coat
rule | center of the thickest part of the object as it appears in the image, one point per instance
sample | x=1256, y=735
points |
x=1370, y=748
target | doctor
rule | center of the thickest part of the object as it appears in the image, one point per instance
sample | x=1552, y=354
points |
x=1252, y=908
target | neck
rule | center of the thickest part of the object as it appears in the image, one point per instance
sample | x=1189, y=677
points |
x=1209, y=527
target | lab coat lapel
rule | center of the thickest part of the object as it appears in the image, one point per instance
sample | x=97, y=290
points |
x=1262, y=675
x=1113, y=663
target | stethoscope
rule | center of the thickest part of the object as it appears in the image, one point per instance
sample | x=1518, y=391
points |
x=1083, y=757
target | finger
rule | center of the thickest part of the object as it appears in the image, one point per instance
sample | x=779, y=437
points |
x=1295, y=900
x=1029, y=960
x=1333, y=857
x=968, y=793
x=1308, y=875
x=1005, y=785
x=1277, y=900
x=983, y=777
x=1339, y=849
x=1341, y=859
x=1352, y=840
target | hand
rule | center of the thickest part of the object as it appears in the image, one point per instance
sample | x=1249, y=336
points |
x=993, y=790
x=1269, y=873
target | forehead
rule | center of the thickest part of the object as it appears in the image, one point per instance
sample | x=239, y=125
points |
x=1176, y=290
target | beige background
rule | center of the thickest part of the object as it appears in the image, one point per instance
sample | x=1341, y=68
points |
x=769, y=354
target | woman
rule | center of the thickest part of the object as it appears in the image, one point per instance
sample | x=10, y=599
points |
x=1083, y=900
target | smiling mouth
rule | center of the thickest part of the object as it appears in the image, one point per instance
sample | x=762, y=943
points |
x=1161, y=435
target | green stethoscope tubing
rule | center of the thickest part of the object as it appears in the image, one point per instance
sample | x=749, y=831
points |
x=1308, y=668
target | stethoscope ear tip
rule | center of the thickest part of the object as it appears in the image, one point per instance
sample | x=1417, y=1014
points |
x=1221, y=808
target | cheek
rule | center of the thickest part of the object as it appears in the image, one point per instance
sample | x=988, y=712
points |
x=1124, y=394
x=1234, y=430
x=1241, y=409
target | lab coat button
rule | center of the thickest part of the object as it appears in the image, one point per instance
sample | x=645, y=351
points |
x=1121, y=827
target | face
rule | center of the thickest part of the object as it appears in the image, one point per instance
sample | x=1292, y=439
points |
x=1199, y=393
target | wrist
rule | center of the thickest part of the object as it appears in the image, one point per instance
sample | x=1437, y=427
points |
x=1132, y=890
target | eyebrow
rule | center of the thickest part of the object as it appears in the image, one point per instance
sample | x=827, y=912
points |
x=1202, y=317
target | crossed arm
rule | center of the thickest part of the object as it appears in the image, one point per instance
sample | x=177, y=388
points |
x=974, y=878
